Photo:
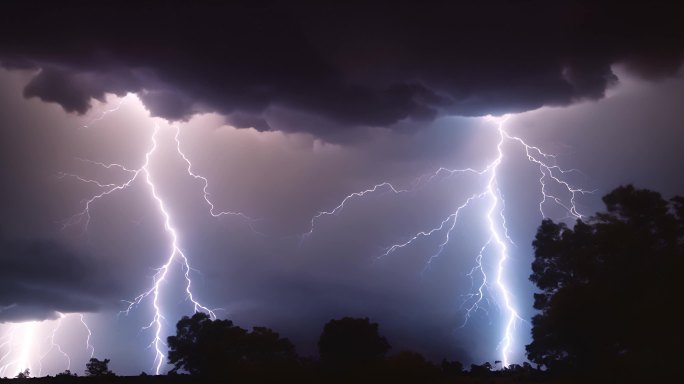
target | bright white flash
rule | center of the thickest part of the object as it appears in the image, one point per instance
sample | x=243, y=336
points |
x=28, y=344
x=497, y=244
x=16, y=345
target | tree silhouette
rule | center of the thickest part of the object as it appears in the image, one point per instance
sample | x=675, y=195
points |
x=409, y=366
x=351, y=343
x=266, y=347
x=95, y=367
x=481, y=370
x=203, y=346
x=25, y=374
x=451, y=369
x=66, y=373
x=212, y=347
x=606, y=286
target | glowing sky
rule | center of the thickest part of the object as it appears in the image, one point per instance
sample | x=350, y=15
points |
x=328, y=124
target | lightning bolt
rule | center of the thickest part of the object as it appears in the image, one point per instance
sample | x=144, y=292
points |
x=175, y=255
x=382, y=186
x=54, y=346
x=498, y=239
x=88, y=346
x=495, y=227
x=102, y=115
x=205, y=186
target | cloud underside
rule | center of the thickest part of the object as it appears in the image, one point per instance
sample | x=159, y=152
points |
x=352, y=65
x=41, y=278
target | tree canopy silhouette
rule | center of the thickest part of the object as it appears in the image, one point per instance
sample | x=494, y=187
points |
x=203, y=346
x=351, y=343
x=410, y=366
x=25, y=374
x=609, y=287
x=95, y=367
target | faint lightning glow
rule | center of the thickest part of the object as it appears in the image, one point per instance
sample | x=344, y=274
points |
x=7, y=361
x=102, y=115
x=474, y=298
x=84, y=215
x=498, y=238
x=205, y=187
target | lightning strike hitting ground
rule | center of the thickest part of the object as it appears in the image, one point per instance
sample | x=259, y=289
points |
x=498, y=239
x=176, y=254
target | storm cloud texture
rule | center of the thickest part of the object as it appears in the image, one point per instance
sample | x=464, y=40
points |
x=286, y=108
x=351, y=63
x=39, y=276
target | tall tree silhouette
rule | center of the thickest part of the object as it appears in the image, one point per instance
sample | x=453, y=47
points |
x=610, y=287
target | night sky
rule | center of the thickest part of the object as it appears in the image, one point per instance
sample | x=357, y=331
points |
x=286, y=109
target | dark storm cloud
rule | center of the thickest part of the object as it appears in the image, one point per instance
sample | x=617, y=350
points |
x=39, y=278
x=241, y=120
x=73, y=89
x=354, y=64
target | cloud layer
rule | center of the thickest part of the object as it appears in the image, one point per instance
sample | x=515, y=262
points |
x=39, y=278
x=352, y=64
